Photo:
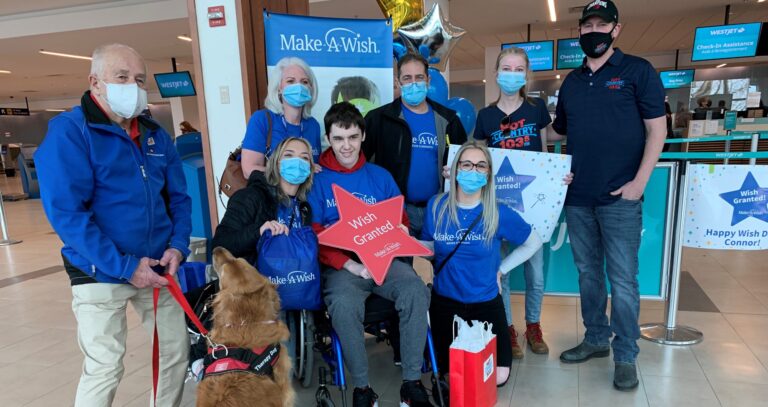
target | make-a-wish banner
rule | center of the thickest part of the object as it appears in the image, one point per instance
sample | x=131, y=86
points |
x=727, y=207
x=530, y=183
x=351, y=58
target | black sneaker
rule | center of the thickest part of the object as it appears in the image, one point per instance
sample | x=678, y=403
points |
x=413, y=394
x=364, y=397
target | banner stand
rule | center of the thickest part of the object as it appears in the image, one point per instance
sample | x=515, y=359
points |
x=5, y=241
x=753, y=147
x=668, y=332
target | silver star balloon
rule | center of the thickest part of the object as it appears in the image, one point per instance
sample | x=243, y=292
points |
x=432, y=36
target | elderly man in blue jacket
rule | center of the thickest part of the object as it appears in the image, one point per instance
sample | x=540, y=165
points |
x=112, y=187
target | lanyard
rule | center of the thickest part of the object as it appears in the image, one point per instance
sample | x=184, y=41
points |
x=294, y=208
x=301, y=126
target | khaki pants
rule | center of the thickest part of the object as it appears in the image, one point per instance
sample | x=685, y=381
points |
x=102, y=329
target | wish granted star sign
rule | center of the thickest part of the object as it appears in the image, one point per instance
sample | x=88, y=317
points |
x=510, y=185
x=749, y=200
x=372, y=232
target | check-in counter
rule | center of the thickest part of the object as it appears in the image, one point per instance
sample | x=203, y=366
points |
x=700, y=128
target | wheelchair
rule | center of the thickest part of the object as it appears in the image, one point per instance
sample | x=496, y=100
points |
x=311, y=331
x=301, y=344
x=381, y=321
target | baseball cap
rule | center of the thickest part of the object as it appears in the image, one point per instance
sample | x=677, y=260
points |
x=604, y=9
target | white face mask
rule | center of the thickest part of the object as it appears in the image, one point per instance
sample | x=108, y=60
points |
x=126, y=100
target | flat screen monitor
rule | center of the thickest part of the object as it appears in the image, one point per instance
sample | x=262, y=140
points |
x=677, y=79
x=726, y=41
x=762, y=44
x=569, y=53
x=175, y=84
x=540, y=53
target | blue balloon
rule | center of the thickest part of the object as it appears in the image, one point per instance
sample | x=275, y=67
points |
x=424, y=51
x=398, y=49
x=438, y=87
x=465, y=111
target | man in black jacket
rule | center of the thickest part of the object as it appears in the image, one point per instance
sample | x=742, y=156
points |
x=409, y=138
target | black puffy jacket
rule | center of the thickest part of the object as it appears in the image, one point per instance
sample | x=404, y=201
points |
x=247, y=210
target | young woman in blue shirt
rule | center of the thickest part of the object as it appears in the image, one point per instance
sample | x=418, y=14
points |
x=469, y=220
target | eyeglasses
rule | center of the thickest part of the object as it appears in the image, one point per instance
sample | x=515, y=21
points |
x=466, y=165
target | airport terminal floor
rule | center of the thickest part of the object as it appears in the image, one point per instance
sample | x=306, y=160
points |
x=724, y=294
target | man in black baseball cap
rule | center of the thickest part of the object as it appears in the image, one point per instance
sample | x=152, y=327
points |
x=598, y=27
x=604, y=9
x=612, y=111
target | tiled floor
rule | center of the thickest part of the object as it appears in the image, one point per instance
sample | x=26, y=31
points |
x=40, y=362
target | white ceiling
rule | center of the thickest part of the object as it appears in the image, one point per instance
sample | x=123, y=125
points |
x=650, y=27
x=45, y=77
x=8, y=7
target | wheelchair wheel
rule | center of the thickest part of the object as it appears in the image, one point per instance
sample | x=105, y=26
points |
x=323, y=398
x=302, y=329
x=322, y=395
x=325, y=403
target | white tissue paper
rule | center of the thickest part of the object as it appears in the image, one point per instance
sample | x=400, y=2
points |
x=472, y=338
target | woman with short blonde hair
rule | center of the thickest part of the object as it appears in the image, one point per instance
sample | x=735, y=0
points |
x=291, y=93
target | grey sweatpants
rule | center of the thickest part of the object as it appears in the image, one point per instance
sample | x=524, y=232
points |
x=345, y=295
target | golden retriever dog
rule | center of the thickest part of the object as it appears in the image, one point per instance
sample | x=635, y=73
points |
x=246, y=315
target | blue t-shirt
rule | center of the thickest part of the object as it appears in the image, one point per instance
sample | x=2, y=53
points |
x=370, y=184
x=423, y=176
x=522, y=131
x=256, y=133
x=289, y=215
x=470, y=275
x=602, y=114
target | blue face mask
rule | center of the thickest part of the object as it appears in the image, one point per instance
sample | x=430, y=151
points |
x=471, y=181
x=297, y=95
x=294, y=170
x=510, y=82
x=414, y=93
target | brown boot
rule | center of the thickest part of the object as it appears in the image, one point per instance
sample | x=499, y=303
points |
x=517, y=351
x=535, y=339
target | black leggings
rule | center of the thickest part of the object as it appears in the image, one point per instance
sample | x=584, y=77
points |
x=441, y=312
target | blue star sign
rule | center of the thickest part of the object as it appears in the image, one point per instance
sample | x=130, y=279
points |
x=749, y=200
x=510, y=186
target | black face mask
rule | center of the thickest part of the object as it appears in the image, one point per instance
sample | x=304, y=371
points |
x=596, y=44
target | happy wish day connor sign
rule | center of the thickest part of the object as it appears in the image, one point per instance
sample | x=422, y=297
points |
x=531, y=183
x=727, y=207
x=372, y=232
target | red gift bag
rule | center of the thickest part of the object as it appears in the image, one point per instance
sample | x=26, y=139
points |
x=472, y=366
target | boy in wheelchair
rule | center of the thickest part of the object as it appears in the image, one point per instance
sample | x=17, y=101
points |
x=346, y=282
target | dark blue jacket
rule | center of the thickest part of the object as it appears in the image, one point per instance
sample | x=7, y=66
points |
x=110, y=202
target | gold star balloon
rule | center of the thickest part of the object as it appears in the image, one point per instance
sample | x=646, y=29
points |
x=432, y=36
x=401, y=11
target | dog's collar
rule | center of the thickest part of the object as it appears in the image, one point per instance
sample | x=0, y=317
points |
x=244, y=323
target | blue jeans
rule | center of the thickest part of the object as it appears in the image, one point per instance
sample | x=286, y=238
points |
x=606, y=240
x=534, y=287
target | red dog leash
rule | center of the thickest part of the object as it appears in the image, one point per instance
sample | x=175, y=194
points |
x=175, y=291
